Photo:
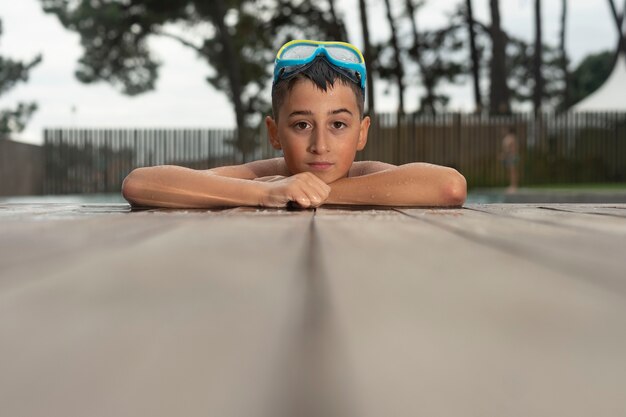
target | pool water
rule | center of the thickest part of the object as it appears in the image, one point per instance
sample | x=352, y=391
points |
x=108, y=198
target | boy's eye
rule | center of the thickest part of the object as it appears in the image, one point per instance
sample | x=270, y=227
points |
x=301, y=125
x=339, y=125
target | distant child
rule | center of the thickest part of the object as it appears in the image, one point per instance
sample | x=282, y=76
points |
x=510, y=158
x=318, y=122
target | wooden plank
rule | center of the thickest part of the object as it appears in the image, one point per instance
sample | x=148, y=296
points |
x=551, y=215
x=592, y=256
x=35, y=241
x=433, y=323
x=196, y=320
x=617, y=210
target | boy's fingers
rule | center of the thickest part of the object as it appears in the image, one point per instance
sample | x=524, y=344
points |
x=317, y=183
x=303, y=201
x=317, y=193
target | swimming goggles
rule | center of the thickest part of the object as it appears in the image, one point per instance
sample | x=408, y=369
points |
x=295, y=56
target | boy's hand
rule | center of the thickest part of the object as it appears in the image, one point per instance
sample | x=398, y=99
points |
x=304, y=189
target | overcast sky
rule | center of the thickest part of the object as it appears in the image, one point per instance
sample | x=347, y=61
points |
x=184, y=99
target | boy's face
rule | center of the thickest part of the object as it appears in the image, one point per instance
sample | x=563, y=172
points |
x=319, y=131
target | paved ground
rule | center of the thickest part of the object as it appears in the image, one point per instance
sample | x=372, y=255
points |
x=489, y=310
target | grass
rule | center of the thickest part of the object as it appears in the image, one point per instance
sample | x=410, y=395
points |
x=579, y=187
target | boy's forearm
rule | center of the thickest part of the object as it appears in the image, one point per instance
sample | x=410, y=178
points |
x=415, y=184
x=178, y=187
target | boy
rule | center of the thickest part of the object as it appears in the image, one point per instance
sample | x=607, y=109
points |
x=318, y=97
x=510, y=158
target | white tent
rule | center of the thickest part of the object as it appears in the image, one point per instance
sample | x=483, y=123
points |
x=611, y=96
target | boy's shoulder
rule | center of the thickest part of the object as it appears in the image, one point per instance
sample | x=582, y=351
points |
x=360, y=168
x=268, y=167
x=254, y=169
x=278, y=166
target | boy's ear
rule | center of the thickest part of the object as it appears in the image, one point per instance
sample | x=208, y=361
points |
x=272, y=132
x=364, y=129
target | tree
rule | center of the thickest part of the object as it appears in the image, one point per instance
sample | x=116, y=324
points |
x=564, y=61
x=338, y=28
x=518, y=63
x=590, y=74
x=12, y=73
x=437, y=63
x=478, y=101
x=396, y=67
x=538, y=61
x=499, y=96
x=619, y=21
x=434, y=53
x=238, y=40
x=368, y=56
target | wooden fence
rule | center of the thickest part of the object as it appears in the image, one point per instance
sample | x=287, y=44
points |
x=566, y=148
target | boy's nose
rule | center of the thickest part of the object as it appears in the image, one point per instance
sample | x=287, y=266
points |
x=319, y=143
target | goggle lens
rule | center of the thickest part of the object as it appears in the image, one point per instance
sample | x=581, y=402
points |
x=302, y=51
x=298, y=52
x=343, y=54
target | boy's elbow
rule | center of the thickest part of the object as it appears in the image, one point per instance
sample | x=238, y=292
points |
x=454, y=189
x=131, y=186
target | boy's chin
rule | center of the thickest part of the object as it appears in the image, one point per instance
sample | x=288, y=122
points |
x=329, y=177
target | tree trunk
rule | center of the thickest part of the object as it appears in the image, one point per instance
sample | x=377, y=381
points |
x=427, y=104
x=415, y=47
x=564, y=59
x=398, y=70
x=622, y=33
x=243, y=141
x=538, y=61
x=478, y=100
x=367, y=55
x=499, y=91
x=338, y=31
x=619, y=22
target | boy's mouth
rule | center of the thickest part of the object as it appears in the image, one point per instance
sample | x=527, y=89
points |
x=320, y=166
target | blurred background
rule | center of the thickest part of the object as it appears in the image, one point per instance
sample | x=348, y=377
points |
x=510, y=92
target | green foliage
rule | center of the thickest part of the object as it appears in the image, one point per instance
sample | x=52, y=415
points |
x=12, y=73
x=114, y=38
x=428, y=61
x=590, y=74
x=238, y=40
x=15, y=120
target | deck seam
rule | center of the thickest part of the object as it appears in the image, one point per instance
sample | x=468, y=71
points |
x=512, y=249
x=540, y=221
x=312, y=391
x=581, y=212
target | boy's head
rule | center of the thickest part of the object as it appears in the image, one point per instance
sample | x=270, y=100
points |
x=317, y=104
x=324, y=75
x=321, y=62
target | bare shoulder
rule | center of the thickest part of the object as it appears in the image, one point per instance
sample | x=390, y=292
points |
x=368, y=167
x=254, y=169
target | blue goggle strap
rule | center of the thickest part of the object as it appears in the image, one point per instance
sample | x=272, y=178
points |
x=299, y=64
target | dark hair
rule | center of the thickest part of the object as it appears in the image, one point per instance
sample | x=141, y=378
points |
x=322, y=74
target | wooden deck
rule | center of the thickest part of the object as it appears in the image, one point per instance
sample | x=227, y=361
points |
x=489, y=310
